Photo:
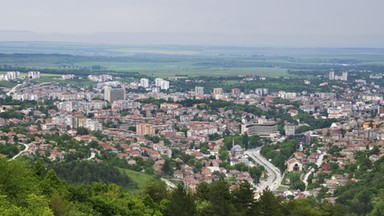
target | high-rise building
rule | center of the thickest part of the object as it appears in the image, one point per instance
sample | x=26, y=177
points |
x=344, y=76
x=290, y=130
x=217, y=91
x=158, y=82
x=113, y=94
x=261, y=91
x=144, y=82
x=34, y=74
x=331, y=75
x=236, y=92
x=143, y=129
x=199, y=90
x=10, y=75
x=164, y=85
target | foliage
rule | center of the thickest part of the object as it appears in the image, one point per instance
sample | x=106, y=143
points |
x=88, y=172
x=27, y=191
x=9, y=150
x=279, y=153
x=365, y=196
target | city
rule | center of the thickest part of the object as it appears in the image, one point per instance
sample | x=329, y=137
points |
x=191, y=108
x=198, y=136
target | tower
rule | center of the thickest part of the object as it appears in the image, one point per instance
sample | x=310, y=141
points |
x=113, y=94
x=107, y=93
x=344, y=76
x=199, y=90
x=331, y=75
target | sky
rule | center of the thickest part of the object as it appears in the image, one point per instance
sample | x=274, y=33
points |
x=230, y=17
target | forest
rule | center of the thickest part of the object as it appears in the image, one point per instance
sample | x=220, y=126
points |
x=32, y=190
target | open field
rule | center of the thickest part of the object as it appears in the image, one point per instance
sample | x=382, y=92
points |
x=140, y=179
x=192, y=61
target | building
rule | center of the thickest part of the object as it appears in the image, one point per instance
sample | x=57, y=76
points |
x=261, y=91
x=267, y=128
x=158, y=82
x=113, y=94
x=236, y=92
x=67, y=76
x=199, y=91
x=100, y=78
x=163, y=84
x=331, y=75
x=217, y=92
x=10, y=75
x=144, y=82
x=34, y=74
x=237, y=151
x=344, y=76
x=293, y=165
x=290, y=130
x=143, y=129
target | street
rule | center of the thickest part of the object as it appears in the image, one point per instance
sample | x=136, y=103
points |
x=274, y=176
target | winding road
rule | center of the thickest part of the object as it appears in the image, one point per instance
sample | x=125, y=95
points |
x=93, y=154
x=318, y=163
x=20, y=153
x=169, y=183
x=274, y=176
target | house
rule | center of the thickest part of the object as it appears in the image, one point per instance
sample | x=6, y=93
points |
x=294, y=165
x=178, y=174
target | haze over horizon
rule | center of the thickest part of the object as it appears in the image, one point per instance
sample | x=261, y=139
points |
x=297, y=23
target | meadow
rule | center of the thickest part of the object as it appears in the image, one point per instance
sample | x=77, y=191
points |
x=191, y=61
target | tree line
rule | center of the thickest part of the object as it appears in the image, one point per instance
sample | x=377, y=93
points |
x=30, y=190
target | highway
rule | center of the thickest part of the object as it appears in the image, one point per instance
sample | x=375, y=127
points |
x=274, y=175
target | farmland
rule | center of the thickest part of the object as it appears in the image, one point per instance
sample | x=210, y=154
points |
x=168, y=61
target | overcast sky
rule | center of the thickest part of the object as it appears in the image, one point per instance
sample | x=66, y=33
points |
x=294, y=17
x=340, y=23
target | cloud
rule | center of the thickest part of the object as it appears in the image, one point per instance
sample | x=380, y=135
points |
x=293, y=17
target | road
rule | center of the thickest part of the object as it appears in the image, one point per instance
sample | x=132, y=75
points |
x=13, y=89
x=318, y=163
x=22, y=152
x=274, y=176
x=93, y=154
x=169, y=183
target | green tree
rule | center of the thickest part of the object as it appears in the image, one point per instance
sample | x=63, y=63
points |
x=223, y=154
x=244, y=198
x=38, y=169
x=156, y=189
x=181, y=203
x=268, y=204
x=166, y=168
x=82, y=131
x=220, y=199
x=52, y=184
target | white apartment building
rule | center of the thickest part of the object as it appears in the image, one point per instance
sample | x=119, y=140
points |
x=34, y=75
x=144, y=82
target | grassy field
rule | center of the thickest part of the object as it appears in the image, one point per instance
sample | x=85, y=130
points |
x=7, y=84
x=192, y=61
x=140, y=179
x=43, y=75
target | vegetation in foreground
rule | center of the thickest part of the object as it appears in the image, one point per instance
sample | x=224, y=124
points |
x=30, y=191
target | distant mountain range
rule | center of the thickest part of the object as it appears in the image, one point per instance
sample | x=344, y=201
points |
x=211, y=39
